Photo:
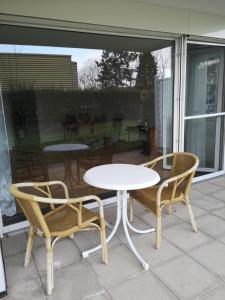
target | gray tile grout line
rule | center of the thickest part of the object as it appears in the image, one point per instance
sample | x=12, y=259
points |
x=205, y=291
x=19, y=252
x=93, y=270
x=32, y=278
x=98, y=278
x=150, y=270
x=209, y=291
x=221, y=279
x=187, y=253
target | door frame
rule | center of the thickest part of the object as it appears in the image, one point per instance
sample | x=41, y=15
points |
x=182, y=117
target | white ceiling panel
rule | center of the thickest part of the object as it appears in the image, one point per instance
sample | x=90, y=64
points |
x=206, y=6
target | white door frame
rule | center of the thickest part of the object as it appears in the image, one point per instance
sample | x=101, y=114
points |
x=182, y=116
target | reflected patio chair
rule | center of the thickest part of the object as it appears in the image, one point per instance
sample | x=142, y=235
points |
x=69, y=217
x=173, y=190
x=94, y=158
x=28, y=165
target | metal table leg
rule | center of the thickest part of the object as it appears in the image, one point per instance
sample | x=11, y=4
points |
x=125, y=224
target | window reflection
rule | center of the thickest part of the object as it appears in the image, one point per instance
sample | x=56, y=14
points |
x=64, y=117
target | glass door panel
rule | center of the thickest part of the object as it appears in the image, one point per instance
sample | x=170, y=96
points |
x=204, y=81
x=54, y=99
x=202, y=137
x=204, y=107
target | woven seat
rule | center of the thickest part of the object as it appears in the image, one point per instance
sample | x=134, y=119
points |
x=148, y=197
x=173, y=190
x=64, y=220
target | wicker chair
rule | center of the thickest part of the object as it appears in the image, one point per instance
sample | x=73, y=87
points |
x=62, y=221
x=172, y=190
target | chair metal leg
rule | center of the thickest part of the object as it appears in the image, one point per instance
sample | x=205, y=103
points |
x=29, y=247
x=49, y=262
x=131, y=209
x=193, y=223
x=158, y=228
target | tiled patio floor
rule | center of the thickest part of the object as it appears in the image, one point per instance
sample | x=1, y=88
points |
x=188, y=265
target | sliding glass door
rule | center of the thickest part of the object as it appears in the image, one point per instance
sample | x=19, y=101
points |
x=204, y=111
x=92, y=100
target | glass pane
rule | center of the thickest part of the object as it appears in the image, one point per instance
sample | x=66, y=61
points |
x=204, y=80
x=202, y=137
x=85, y=107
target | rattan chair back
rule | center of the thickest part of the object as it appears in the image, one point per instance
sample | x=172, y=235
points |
x=29, y=206
x=184, y=165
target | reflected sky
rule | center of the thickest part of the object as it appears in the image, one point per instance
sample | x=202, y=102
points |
x=78, y=54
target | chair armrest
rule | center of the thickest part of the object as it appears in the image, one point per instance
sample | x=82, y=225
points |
x=152, y=163
x=88, y=198
x=178, y=179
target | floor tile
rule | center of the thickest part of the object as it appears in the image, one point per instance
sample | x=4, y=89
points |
x=145, y=245
x=14, y=244
x=167, y=220
x=30, y=289
x=74, y=282
x=183, y=236
x=15, y=270
x=196, y=275
x=182, y=212
x=98, y=296
x=185, y=277
x=122, y=264
x=144, y=286
x=216, y=294
x=138, y=209
x=110, y=213
x=207, y=202
x=193, y=193
x=137, y=223
x=220, y=195
x=65, y=253
x=88, y=239
x=207, y=187
x=220, y=213
x=222, y=239
x=212, y=225
x=219, y=181
x=212, y=257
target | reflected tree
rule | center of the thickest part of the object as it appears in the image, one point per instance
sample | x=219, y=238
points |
x=146, y=71
x=116, y=69
x=88, y=75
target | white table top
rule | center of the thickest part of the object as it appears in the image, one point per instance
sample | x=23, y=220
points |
x=65, y=147
x=121, y=177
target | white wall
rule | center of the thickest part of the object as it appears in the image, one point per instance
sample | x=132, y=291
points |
x=123, y=13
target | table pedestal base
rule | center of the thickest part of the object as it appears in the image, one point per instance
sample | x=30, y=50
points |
x=122, y=216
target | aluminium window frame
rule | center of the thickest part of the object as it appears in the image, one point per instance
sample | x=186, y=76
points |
x=208, y=42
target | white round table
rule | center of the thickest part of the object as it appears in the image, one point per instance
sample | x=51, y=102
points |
x=122, y=178
x=67, y=150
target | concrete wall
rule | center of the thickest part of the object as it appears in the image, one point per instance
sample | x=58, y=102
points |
x=124, y=13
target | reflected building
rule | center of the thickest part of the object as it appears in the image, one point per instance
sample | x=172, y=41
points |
x=37, y=71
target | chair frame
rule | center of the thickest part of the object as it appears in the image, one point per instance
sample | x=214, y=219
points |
x=177, y=180
x=49, y=239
